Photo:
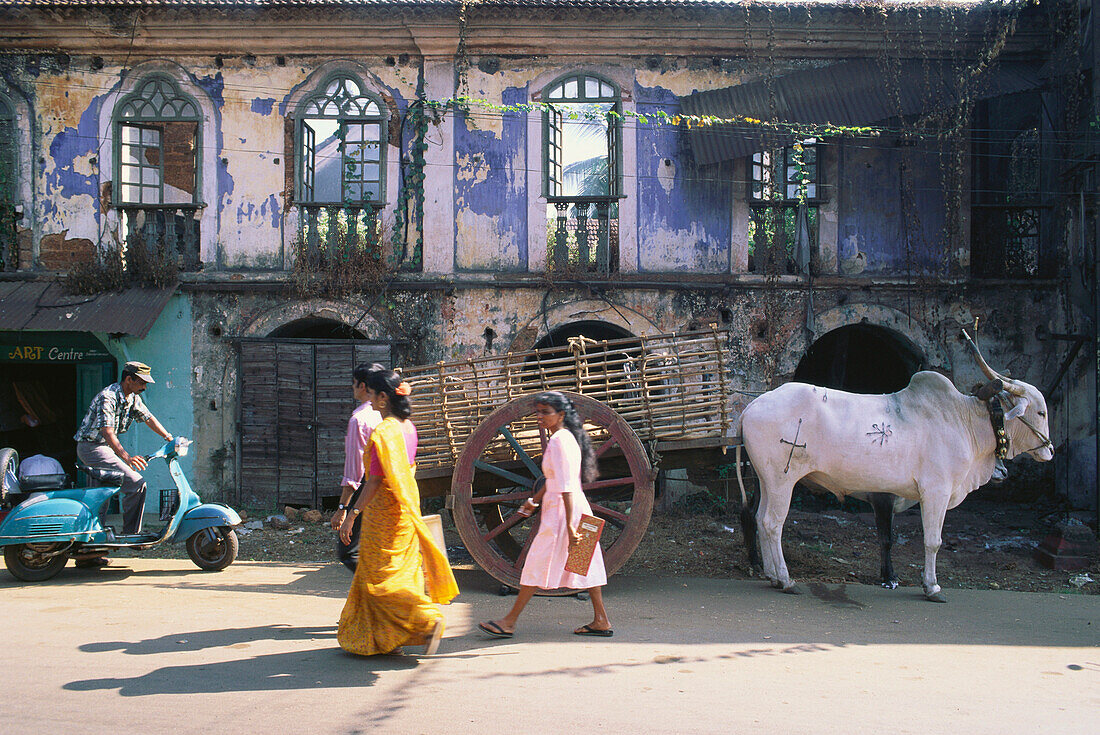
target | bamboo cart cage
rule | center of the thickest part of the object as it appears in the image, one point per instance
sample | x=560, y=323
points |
x=638, y=396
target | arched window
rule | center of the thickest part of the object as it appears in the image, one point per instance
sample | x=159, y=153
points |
x=341, y=149
x=341, y=163
x=158, y=164
x=582, y=172
x=158, y=139
x=1009, y=229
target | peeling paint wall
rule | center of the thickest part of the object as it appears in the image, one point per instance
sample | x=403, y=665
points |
x=244, y=152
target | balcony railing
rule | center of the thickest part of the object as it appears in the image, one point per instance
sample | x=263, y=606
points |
x=773, y=243
x=583, y=235
x=1006, y=242
x=332, y=234
x=164, y=231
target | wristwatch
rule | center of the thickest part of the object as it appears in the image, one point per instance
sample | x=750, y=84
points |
x=341, y=507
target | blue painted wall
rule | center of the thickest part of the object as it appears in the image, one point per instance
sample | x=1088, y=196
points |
x=167, y=350
x=685, y=226
x=877, y=211
x=498, y=191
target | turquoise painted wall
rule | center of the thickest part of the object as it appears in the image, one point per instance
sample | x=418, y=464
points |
x=167, y=350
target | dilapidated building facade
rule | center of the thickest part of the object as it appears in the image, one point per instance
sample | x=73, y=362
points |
x=304, y=184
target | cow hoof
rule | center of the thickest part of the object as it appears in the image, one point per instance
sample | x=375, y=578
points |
x=792, y=590
x=891, y=584
x=936, y=597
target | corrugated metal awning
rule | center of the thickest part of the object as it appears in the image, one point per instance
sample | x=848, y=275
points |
x=850, y=93
x=45, y=306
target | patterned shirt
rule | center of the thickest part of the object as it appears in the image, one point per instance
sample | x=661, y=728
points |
x=113, y=409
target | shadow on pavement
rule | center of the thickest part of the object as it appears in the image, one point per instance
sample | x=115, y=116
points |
x=199, y=639
x=320, y=669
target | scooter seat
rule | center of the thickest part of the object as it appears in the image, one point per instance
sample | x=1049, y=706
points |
x=110, y=478
x=35, y=483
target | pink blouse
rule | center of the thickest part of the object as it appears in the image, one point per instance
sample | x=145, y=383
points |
x=410, y=446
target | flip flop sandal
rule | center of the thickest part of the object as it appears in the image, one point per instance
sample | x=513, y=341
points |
x=589, y=630
x=494, y=630
x=434, y=638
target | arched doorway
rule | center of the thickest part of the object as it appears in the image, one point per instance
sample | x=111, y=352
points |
x=861, y=358
x=296, y=397
x=314, y=327
x=592, y=329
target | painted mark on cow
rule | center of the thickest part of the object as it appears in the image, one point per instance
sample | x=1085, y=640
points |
x=880, y=433
x=794, y=445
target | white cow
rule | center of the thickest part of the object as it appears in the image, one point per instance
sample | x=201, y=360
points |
x=927, y=443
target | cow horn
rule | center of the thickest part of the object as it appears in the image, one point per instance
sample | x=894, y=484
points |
x=1010, y=385
x=989, y=372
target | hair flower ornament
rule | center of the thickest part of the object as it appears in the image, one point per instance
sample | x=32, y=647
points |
x=404, y=389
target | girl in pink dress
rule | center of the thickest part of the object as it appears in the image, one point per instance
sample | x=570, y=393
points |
x=568, y=458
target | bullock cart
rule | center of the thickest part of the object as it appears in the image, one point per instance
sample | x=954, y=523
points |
x=645, y=401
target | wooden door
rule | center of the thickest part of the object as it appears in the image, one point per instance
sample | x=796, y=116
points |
x=295, y=399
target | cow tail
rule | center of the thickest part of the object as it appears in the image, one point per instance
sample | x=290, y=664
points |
x=740, y=479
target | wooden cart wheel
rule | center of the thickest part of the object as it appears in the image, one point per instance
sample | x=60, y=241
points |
x=499, y=468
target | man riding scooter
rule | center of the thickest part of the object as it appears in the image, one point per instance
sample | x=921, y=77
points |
x=110, y=414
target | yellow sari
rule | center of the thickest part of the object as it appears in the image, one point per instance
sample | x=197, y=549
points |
x=387, y=606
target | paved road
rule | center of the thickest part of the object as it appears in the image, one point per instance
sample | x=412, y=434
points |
x=158, y=646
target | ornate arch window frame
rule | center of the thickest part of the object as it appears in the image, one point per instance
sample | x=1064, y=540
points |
x=157, y=99
x=580, y=87
x=539, y=257
x=208, y=150
x=333, y=99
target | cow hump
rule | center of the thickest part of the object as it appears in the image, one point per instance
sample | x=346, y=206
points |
x=929, y=382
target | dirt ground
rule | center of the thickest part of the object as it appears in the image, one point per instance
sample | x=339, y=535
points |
x=986, y=545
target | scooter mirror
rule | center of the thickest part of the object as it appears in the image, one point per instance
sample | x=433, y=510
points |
x=181, y=446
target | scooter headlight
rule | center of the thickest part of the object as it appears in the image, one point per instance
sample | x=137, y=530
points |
x=181, y=446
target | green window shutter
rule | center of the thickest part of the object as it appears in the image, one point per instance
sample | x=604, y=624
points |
x=553, y=154
x=614, y=154
x=309, y=161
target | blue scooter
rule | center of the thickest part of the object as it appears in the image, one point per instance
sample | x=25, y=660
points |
x=52, y=524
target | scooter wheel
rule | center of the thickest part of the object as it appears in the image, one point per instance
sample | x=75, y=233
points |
x=9, y=472
x=34, y=562
x=214, y=548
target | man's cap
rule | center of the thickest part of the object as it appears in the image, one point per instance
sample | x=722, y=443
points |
x=140, y=370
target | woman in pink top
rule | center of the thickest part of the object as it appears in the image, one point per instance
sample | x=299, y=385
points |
x=567, y=461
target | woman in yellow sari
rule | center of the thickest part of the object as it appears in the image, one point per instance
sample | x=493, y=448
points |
x=387, y=606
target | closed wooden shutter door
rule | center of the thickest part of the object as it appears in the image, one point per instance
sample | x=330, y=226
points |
x=259, y=451
x=295, y=430
x=335, y=404
x=296, y=398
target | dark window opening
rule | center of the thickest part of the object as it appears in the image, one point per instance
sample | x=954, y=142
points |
x=861, y=358
x=599, y=331
x=39, y=411
x=1009, y=221
x=9, y=243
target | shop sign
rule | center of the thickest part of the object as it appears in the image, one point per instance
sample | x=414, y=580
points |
x=51, y=347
